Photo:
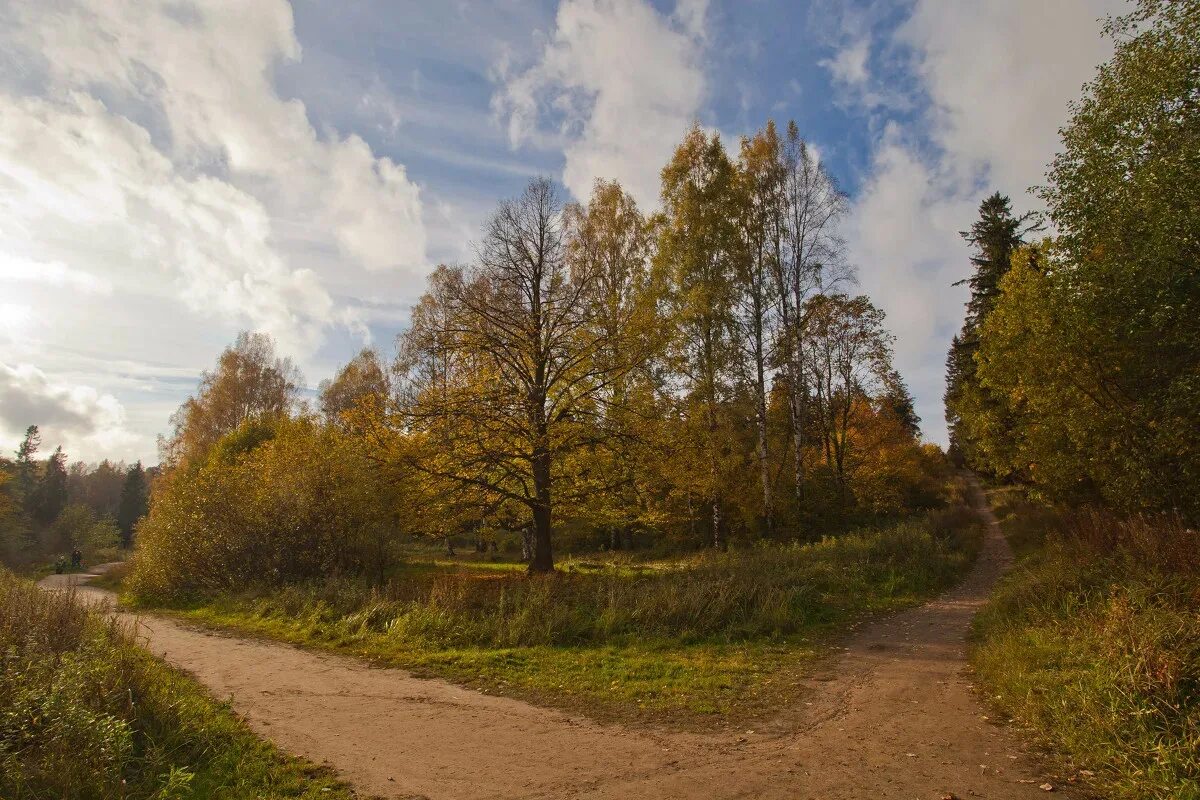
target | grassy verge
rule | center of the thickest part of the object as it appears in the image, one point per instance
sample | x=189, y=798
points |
x=709, y=638
x=84, y=713
x=1093, y=641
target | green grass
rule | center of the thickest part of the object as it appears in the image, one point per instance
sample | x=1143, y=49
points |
x=84, y=713
x=703, y=639
x=1093, y=641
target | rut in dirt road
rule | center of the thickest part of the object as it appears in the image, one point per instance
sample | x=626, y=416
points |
x=894, y=717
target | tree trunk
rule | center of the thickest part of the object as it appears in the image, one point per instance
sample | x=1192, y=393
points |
x=614, y=538
x=527, y=543
x=718, y=540
x=764, y=468
x=543, y=557
x=795, y=408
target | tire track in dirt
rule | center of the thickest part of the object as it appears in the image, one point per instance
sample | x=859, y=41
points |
x=892, y=716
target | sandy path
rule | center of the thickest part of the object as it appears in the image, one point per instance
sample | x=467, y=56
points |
x=894, y=717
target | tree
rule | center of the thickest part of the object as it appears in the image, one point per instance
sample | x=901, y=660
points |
x=760, y=211
x=51, y=494
x=994, y=237
x=250, y=382
x=848, y=354
x=98, y=487
x=809, y=259
x=1124, y=271
x=26, y=468
x=301, y=504
x=697, y=248
x=610, y=241
x=363, y=379
x=134, y=502
x=526, y=384
x=1091, y=348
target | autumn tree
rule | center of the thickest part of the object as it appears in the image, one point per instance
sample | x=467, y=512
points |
x=249, y=382
x=697, y=248
x=609, y=245
x=528, y=382
x=848, y=354
x=760, y=214
x=1092, y=343
x=363, y=379
x=809, y=258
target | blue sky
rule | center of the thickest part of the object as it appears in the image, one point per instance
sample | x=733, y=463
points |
x=173, y=171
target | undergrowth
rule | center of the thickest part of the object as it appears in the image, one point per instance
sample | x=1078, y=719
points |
x=85, y=713
x=1094, y=642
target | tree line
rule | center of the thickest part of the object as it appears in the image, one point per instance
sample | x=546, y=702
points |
x=701, y=374
x=49, y=508
x=1077, y=370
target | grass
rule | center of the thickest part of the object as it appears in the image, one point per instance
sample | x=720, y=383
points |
x=704, y=639
x=87, y=714
x=1093, y=642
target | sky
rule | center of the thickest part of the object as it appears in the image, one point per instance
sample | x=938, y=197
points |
x=175, y=171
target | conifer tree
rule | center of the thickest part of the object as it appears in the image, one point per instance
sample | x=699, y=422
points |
x=133, y=502
x=51, y=495
x=995, y=236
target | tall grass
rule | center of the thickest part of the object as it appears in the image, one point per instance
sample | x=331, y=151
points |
x=1094, y=640
x=768, y=591
x=84, y=713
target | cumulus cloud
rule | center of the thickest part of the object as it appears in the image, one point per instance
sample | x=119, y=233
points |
x=996, y=80
x=144, y=143
x=88, y=424
x=621, y=80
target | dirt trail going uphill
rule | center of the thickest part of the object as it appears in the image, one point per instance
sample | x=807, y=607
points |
x=893, y=717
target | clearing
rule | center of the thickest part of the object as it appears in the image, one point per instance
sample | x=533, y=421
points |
x=892, y=716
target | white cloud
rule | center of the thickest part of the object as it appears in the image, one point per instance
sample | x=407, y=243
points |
x=997, y=78
x=1000, y=77
x=135, y=218
x=849, y=65
x=88, y=424
x=623, y=82
x=157, y=150
x=53, y=273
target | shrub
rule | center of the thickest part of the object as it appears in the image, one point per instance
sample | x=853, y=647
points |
x=295, y=504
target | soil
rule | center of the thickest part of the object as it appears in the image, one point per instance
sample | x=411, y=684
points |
x=894, y=715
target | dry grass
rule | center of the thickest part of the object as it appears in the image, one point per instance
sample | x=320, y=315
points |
x=86, y=714
x=1094, y=641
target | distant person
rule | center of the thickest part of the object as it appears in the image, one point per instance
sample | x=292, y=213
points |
x=76, y=558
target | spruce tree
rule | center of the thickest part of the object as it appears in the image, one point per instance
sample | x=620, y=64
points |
x=133, y=502
x=52, y=489
x=994, y=237
x=27, y=469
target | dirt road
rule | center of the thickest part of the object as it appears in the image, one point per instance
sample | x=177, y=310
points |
x=894, y=718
